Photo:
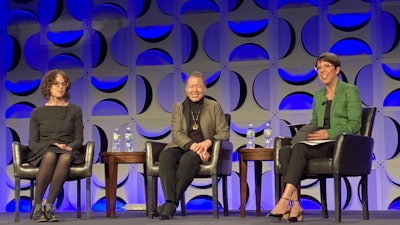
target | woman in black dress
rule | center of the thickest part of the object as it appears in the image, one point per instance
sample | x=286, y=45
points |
x=55, y=136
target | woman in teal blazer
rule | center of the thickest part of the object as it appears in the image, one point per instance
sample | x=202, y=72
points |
x=336, y=109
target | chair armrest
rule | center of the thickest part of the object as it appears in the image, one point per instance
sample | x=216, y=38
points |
x=352, y=155
x=221, y=160
x=153, y=150
x=89, y=154
x=20, y=153
x=224, y=166
x=279, y=142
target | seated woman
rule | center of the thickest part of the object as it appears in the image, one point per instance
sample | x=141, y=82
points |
x=55, y=136
x=337, y=109
x=196, y=122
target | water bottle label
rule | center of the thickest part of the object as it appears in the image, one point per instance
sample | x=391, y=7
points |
x=115, y=136
x=267, y=132
x=250, y=133
x=128, y=136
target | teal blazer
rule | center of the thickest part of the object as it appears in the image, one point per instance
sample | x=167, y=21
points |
x=345, y=110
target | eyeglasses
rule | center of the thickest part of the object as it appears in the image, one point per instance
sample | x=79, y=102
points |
x=325, y=66
x=60, y=84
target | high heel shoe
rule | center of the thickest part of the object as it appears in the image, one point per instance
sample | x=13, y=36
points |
x=279, y=216
x=156, y=212
x=168, y=212
x=298, y=218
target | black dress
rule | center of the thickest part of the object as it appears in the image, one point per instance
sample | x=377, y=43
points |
x=55, y=124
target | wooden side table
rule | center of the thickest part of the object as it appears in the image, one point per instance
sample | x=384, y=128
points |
x=111, y=161
x=257, y=155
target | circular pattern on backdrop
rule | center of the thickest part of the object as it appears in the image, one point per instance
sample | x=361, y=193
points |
x=23, y=87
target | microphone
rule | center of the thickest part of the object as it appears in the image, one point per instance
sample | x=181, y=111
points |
x=323, y=103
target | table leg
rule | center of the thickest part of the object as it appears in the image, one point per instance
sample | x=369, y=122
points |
x=111, y=187
x=107, y=179
x=257, y=179
x=243, y=185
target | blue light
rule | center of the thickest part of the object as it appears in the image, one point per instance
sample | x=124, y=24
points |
x=395, y=204
x=248, y=28
x=247, y=52
x=155, y=135
x=109, y=86
x=109, y=107
x=297, y=79
x=395, y=74
x=392, y=99
x=201, y=202
x=351, y=46
x=23, y=87
x=24, y=205
x=296, y=101
x=65, y=60
x=65, y=38
x=153, y=33
x=154, y=56
x=199, y=6
x=349, y=21
x=20, y=110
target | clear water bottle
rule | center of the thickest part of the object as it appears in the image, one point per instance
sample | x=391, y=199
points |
x=116, y=141
x=128, y=140
x=251, y=136
x=268, y=135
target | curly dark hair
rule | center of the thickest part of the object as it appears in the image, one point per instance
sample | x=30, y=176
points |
x=49, y=79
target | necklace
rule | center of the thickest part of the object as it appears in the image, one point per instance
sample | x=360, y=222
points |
x=195, y=120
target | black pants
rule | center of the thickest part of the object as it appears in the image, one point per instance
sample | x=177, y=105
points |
x=177, y=171
x=294, y=160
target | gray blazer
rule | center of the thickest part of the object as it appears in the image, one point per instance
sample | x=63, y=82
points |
x=212, y=123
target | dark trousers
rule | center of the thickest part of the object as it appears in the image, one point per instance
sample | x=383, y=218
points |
x=177, y=171
x=294, y=160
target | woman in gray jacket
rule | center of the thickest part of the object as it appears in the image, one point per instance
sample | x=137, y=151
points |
x=196, y=122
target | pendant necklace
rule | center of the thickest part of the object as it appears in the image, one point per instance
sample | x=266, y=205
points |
x=195, y=120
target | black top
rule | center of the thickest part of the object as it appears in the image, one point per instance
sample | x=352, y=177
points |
x=327, y=116
x=55, y=124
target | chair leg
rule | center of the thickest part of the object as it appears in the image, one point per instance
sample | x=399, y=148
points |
x=17, y=198
x=278, y=187
x=225, y=195
x=88, y=199
x=338, y=196
x=364, y=194
x=150, y=196
x=32, y=196
x=322, y=186
x=183, y=205
x=215, y=195
x=78, y=201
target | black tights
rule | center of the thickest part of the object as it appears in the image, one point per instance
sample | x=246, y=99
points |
x=54, y=170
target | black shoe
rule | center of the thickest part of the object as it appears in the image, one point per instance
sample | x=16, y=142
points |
x=38, y=215
x=298, y=218
x=49, y=213
x=156, y=212
x=277, y=216
x=168, y=212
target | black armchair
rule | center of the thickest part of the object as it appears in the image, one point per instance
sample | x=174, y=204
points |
x=352, y=156
x=28, y=172
x=220, y=166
